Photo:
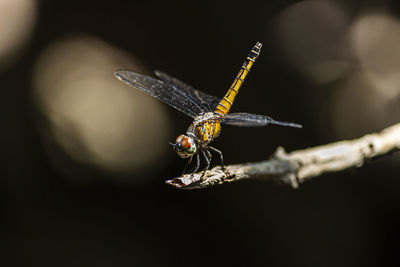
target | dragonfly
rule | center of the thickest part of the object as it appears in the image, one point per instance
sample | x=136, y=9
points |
x=208, y=112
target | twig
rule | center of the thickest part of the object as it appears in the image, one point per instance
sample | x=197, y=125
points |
x=298, y=166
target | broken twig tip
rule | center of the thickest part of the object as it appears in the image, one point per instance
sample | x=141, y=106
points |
x=183, y=182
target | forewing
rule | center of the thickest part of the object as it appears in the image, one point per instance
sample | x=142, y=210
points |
x=166, y=92
x=254, y=120
x=206, y=101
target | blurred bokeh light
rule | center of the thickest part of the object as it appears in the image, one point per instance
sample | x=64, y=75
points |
x=313, y=35
x=355, y=59
x=369, y=98
x=17, y=20
x=357, y=108
x=96, y=119
x=375, y=38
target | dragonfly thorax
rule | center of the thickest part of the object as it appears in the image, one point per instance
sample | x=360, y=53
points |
x=185, y=146
x=206, y=127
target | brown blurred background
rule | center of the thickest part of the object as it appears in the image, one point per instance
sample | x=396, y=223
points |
x=84, y=157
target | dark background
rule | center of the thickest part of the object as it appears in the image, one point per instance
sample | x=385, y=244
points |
x=349, y=218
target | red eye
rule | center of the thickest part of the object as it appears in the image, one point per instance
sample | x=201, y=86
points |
x=186, y=142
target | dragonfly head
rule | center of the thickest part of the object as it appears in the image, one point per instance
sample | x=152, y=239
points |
x=185, y=146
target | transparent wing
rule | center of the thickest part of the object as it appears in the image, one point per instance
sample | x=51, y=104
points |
x=167, y=92
x=206, y=101
x=254, y=120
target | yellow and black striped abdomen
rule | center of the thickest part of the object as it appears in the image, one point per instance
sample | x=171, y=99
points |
x=225, y=104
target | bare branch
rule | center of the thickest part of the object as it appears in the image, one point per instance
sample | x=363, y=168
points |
x=296, y=167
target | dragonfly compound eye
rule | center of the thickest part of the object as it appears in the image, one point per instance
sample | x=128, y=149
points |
x=179, y=138
x=186, y=142
x=189, y=145
x=185, y=146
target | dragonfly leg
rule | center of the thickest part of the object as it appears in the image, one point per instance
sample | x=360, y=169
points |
x=197, y=164
x=221, y=156
x=206, y=155
x=187, y=165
